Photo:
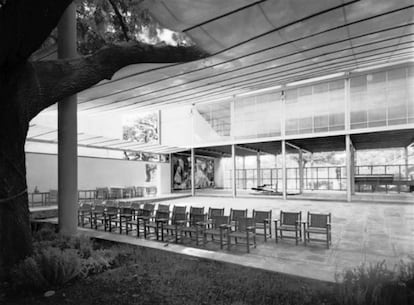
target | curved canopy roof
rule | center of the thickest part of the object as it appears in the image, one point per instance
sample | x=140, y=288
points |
x=260, y=44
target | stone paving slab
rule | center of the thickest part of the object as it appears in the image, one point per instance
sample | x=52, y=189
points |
x=361, y=233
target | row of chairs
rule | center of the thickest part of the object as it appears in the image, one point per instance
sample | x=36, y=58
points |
x=199, y=226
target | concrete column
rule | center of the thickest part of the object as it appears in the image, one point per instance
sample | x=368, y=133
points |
x=301, y=172
x=349, y=177
x=67, y=133
x=233, y=162
x=193, y=165
x=258, y=169
x=284, y=174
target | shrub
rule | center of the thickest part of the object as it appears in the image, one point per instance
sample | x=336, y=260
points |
x=49, y=267
x=376, y=285
x=97, y=262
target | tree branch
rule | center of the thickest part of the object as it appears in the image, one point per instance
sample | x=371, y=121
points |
x=24, y=26
x=58, y=79
x=120, y=19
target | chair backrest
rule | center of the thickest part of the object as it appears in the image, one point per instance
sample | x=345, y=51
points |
x=102, y=193
x=236, y=214
x=290, y=218
x=147, y=209
x=97, y=202
x=243, y=222
x=136, y=205
x=127, y=211
x=196, y=215
x=111, y=203
x=85, y=207
x=159, y=214
x=219, y=220
x=163, y=211
x=215, y=212
x=111, y=209
x=179, y=213
x=318, y=220
x=163, y=207
x=99, y=208
x=261, y=216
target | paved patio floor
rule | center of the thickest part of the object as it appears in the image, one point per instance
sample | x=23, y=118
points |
x=361, y=233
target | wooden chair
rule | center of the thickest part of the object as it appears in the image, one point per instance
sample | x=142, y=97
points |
x=98, y=215
x=111, y=217
x=263, y=221
x=142, y=212
x=155, y=223
x=85, y=212
x=102, y=193
x=215, y=212
x=235, y=215
x=244, y=229
x=218, y=225
x=319, y=224
x=179, y=219
x=289, y=222
x=196, y=225
x=125, y=215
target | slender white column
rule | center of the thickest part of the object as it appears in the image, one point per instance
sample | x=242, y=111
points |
x=233, y=162
x=300, y=172
x=348, y=168
x=193, y=165
x=406, y=163
x=67, y=133
x=284, y=174
x=258, y=169
x=353, y=162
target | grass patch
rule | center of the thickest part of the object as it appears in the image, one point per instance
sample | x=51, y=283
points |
x=86, y=272
x=149, y=276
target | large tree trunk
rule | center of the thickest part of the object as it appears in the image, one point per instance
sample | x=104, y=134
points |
x=15, y=235
x=27, y=89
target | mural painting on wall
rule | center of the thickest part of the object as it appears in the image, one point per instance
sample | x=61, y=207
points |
x=150, y=172
x=204, y=172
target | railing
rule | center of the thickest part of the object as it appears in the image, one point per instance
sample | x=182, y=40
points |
x=323, y=177
x=44, y=198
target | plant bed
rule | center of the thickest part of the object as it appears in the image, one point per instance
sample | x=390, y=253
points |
x=149, y=276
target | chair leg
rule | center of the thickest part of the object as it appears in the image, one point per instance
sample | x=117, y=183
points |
x=265, y=233
x=276, y=237
x=270, y=229
x=296, y=236
x=248, y=242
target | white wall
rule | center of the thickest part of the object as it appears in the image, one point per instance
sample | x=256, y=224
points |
x=218, y=173
x=95, y=172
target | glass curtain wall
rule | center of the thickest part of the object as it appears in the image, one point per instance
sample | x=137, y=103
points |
x=382, y=99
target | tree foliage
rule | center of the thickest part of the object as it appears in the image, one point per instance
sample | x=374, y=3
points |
x=103, y=22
